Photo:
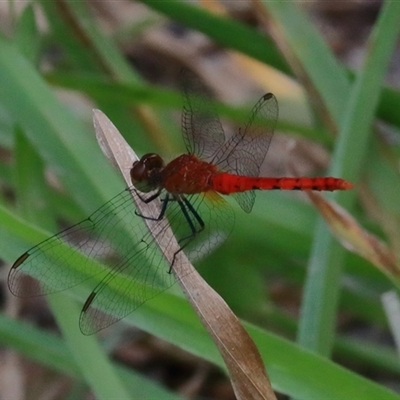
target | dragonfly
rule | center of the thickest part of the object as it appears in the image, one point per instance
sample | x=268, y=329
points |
x=188, y=190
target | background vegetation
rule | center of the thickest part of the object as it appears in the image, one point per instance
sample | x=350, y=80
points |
x=279, y=256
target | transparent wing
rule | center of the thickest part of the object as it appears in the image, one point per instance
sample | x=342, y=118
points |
x=115, y=235
x=127, y=287
x=141, y=275
x=245, y=151
x=57, y=266
x=203, y=134
x=201, y=128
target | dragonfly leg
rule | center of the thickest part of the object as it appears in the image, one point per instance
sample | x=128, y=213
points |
x=195, y=214
x=148, y=199
x=162, y=212
x=188, y=209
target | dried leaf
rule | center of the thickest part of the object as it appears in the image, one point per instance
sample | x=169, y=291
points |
x=355, y=238
x=247, y=372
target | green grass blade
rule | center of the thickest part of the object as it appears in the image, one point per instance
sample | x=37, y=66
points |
x=322, y=288
x=63, y=142
x=93, y=362
x=226, y=32
x=97, y=370
x=293, y=370
x=51, y=351
x=324, y=71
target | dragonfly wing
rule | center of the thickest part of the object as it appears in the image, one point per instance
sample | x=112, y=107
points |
x=47, y=262
x=140, y=276
x=245, y=200
x=218, y=218
x=201, y=128
x=58, y=265
x=245, y=151
x=144, y=273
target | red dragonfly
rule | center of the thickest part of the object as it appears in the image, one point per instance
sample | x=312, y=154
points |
x=188, y=188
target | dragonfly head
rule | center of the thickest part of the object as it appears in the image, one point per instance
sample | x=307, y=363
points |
x=145, y=172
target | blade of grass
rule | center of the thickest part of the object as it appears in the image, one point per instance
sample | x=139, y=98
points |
x=321, y=68
x=31, y=189
x=130, y=94
x=63, y=142
x=79, y=58
x=293, y=370
x=362, y=352
x=226, y=32
x=52, y=352
x=26, y=35
x=93, y=363
x=330, y=79
x=86, y=33
x=88, y=354
x=106, y=52
x=316, y=329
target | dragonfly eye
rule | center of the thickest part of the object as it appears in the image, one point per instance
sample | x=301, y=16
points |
x=144, y=172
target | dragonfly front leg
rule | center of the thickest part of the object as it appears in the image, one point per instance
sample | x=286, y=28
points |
x=164, y=201
x=148, y=199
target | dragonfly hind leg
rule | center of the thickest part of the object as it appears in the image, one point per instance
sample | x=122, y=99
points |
x=188, y=209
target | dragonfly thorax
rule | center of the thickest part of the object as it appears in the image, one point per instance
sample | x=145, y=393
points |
x=187, y=174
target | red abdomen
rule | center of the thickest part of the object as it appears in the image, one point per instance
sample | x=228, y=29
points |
x=226, y=183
